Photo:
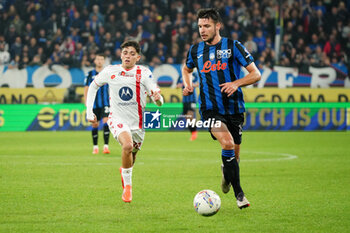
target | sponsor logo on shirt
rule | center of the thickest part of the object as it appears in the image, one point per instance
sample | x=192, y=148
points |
x=125, y=74
x=125, y=93
x=225, y=53
x=208, y=66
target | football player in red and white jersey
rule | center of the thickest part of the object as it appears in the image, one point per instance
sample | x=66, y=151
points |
x=129, y=85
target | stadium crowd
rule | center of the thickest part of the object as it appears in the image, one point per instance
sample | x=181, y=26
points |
x=71, y=33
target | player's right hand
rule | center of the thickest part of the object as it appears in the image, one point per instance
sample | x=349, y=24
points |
x=187, y=91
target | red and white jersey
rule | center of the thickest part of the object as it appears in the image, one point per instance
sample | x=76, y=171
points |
x=128, y=92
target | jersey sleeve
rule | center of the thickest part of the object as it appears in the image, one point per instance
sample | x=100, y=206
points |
x=189, y=61
x=242, y=55
x=102, y=77
x=87, y=79
x=149, y=83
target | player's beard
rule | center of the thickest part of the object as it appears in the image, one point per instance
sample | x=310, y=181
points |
x=210, y=40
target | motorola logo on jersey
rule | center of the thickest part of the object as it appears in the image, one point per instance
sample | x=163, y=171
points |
x=125, y=93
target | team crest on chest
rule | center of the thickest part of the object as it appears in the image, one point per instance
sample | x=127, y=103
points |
x=225, y=53
x=212, y=56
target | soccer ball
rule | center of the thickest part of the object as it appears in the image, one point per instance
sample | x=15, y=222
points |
x=207, y=202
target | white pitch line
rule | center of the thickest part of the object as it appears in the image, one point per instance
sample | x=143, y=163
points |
x=282, y=156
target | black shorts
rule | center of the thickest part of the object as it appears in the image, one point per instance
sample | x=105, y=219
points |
x=189, y=106
x=233, y=122
x=101, y=112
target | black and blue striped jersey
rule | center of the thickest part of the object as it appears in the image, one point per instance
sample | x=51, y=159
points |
x=102, y=95
x=217, y=64
x=193, y=97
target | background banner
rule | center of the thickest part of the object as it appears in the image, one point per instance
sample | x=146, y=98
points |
x=174, y=95
x=167, y=75
x=259, y=116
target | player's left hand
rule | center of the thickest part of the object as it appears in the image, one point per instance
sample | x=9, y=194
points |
x=92, y=121
x=229, y=88
x=156, y=95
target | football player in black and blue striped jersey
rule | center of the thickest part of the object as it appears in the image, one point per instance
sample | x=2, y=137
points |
x=101, y=105
x=218, y=61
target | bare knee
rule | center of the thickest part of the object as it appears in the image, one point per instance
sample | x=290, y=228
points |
x=127, y=147
x=227, y=144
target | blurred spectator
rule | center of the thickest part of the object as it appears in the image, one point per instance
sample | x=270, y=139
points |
x=75, y=22
x=10, y=34
x=36, y=61
x=32, y=48
x=251, y=45
x=260, y=41
x=340, y=64
x=41, y=55
x=97, y=15
x=332, y=47
x=68, y=46
x=3, y=41
x=110, y=24
x=314, y=42
x=95, y=24
x=165, y=28
x=91, y=46
x=75, y=36
x=107, y=43
x=119, y=39
x=58, y=37
x=24, y=62
x=78, y=55
x=42, y=38
x=16, y=48
x=4, y=55
x=52, y=25
x=18, y=24
x=316, y=56
x=14, y=64
x=67, y=60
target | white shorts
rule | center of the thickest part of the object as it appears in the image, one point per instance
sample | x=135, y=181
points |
x=117, y=127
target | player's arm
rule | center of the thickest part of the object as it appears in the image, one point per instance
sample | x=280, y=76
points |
x=86, y=88
x=187, y=80
x=90, y=99
x=187, y=70
x=152, y=89
x=252, y=77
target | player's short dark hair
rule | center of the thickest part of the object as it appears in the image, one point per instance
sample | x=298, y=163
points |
x=100, y=55
x=132, y=43
x=209, y=13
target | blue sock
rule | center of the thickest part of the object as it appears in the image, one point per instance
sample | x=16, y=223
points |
x=228, y=153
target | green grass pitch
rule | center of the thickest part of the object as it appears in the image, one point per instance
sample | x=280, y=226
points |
x=295, y=181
